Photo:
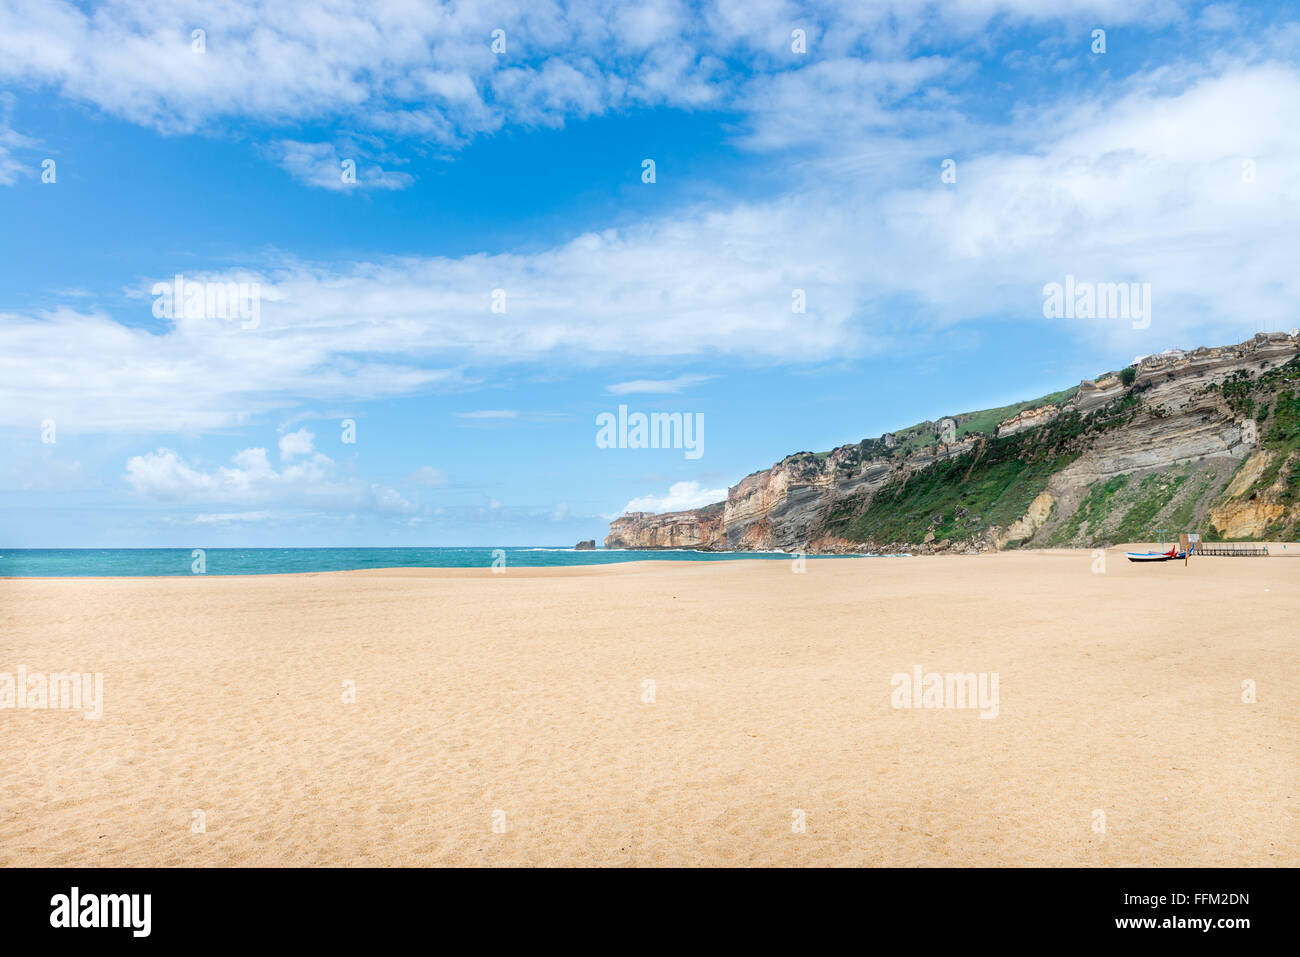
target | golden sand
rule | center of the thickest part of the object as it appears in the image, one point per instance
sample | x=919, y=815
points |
x=520, y=700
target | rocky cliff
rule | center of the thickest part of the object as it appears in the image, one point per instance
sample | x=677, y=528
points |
x=1202, y=440
x=699, y=528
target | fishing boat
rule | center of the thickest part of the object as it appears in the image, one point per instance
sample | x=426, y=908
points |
x=1170, y=555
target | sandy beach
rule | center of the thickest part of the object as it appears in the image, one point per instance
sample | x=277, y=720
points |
x=728, y=713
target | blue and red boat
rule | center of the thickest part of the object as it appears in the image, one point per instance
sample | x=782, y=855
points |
x=1170, y=555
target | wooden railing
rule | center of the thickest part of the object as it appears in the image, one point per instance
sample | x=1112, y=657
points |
x=1231, y=550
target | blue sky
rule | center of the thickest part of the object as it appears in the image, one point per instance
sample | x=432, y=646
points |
x=1170, y=158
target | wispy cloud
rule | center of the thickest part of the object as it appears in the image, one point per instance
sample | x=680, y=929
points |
x=428, y=476
x=429, y=71
x=1143, y=182
x=323, y=166
x=44, y=472
x=231, y=518
x=487, y=418
x=11, y=143
x=657, y=386
x=1109, y=191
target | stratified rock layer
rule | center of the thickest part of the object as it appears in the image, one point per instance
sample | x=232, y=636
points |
x=1176, y=424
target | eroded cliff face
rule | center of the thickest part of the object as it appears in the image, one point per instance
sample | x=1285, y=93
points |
x=700, y=528
x=1166, y=420
x=1029, y=419
x=1027, y=526
x=1242, y=514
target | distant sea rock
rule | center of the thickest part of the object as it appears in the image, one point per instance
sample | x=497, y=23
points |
x=588, y=545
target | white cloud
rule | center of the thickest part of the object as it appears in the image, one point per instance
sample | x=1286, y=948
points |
x=1145, y=185
x=296, y=443
x=165, y=477
x=416, y=69
x=846, y=96
x=657, y=386
x=321, y=165
x=680, y=497
x=91, y=373
x=427, y=70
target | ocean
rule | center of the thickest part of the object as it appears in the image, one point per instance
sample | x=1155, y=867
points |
x=117, y=562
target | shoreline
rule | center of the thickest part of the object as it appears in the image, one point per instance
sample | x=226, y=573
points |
x=1292, y=550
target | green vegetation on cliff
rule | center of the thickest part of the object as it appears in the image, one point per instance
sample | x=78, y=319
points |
x=1282, y=438
x=922, y=435
x=1094, y=509
x=1177, y=455
x=1276, y=410
x=1183, y=515
x=945, y=500
x=988, y=419
x=960, y=498
x=1171, y=501
x=1153, y=494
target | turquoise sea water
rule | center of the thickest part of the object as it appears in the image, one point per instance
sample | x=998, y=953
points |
x=111, y=562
